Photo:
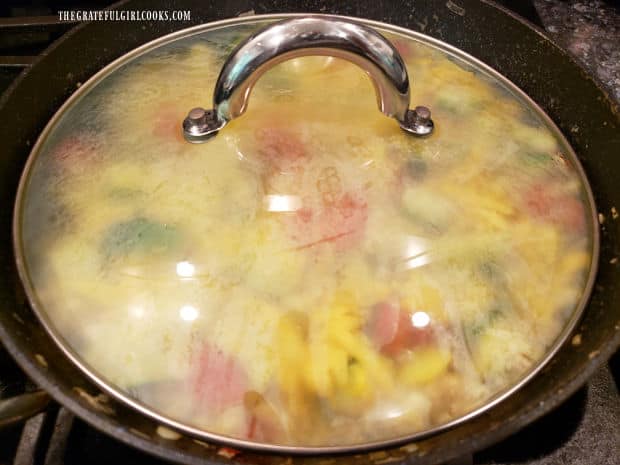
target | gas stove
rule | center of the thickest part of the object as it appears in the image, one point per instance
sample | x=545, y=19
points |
x=583, y=430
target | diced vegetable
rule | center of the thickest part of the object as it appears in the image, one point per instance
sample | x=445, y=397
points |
x=219, y=381
x=426, y=207
x=384, y=324
x=138, y=235
x=404, y=47
x=496, y=360
x=537, y=158
x=473, y=330
x=424, y=365
x=167, y=123
x=416, y=169
x=341, y=223
x=422, y=296
x=548, y=203
x=355, y=393
x=77, y=153
x=455, y=100
x=392, y=331
x=537, y=139
x=279, y=147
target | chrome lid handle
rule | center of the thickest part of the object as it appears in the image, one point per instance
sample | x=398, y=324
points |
x=312, y=35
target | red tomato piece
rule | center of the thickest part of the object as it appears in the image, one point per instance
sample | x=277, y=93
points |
x=76, y=152
x=167, y=123
x=384, y=323
x=538, y=201
x=219, y=380
x=570, y=213
x=403, y=46
x=547, y=204
x=392, y=331
x=280, y=147
x=304, y=214
x=341, y=223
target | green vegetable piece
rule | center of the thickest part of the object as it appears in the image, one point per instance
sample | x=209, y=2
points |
x=138, y=235
x=416, y=169
x=538, y=159
x=476, y=328
x=492, y=273
x=122, y=194
x=455, y=100
x=429, y=210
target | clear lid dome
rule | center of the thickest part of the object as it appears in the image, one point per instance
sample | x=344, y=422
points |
x=312, y=276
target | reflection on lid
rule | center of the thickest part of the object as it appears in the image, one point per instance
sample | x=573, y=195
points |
x=185, y=269
x=137, y=311
x=188, y=313
x=420, y=319
x=392, y=413
x=416, y=252
x=281, y=203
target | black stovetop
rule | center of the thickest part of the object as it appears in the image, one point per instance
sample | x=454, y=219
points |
x=583, y=430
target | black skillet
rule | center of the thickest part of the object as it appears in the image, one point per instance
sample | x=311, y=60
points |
x=585, y=114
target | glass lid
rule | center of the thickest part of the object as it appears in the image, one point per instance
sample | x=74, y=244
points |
x=312, y=277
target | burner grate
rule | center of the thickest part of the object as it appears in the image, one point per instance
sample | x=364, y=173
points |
x=44, y=438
